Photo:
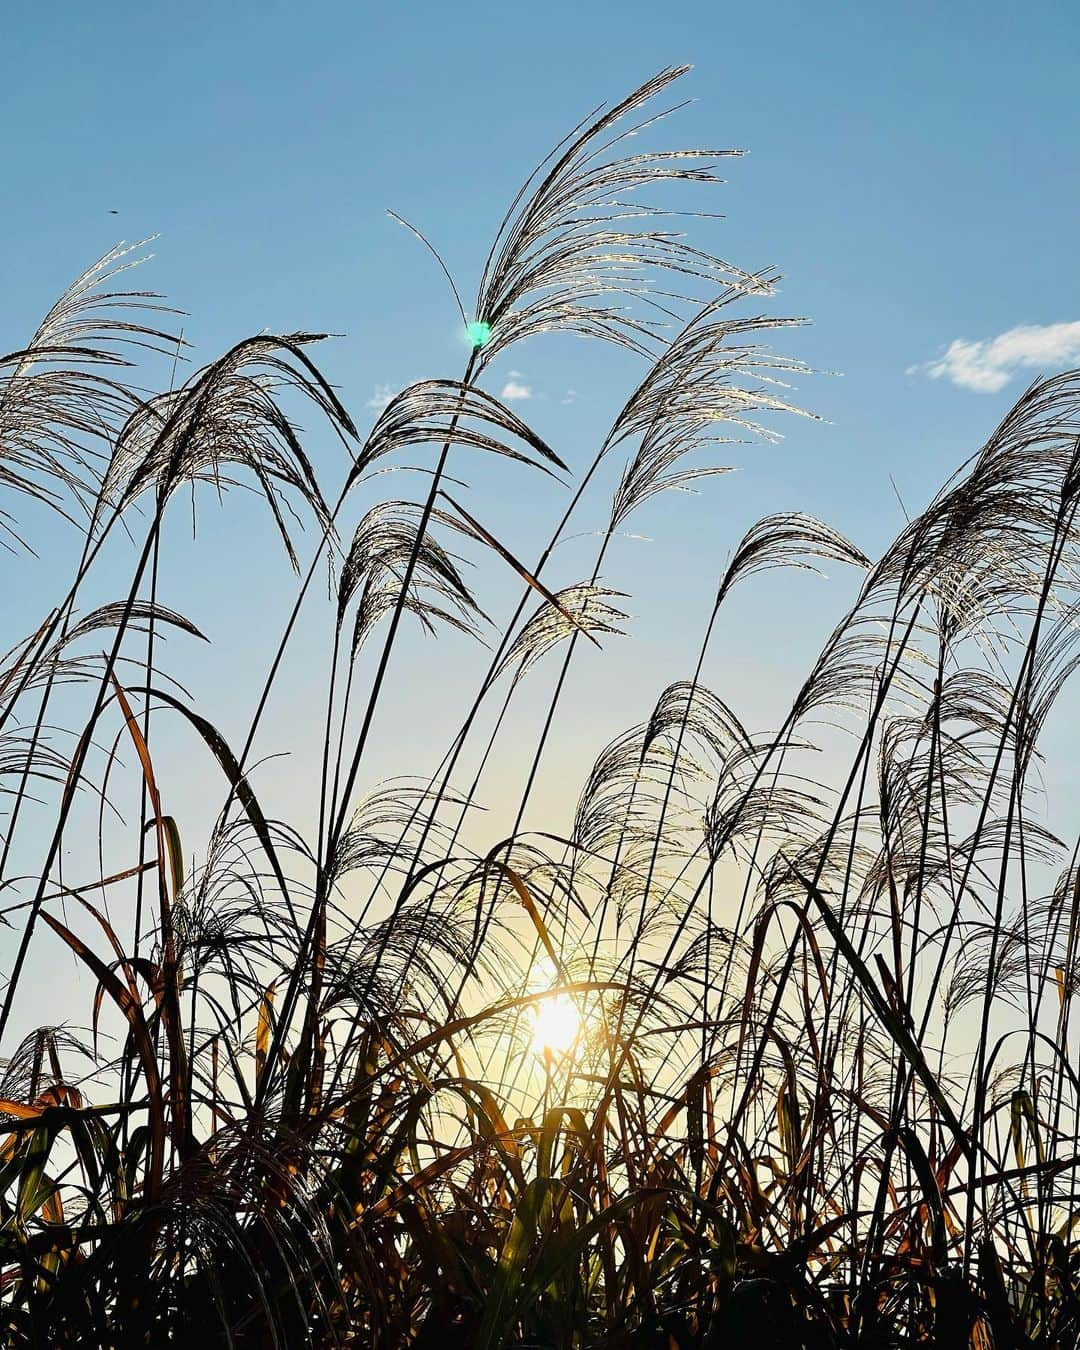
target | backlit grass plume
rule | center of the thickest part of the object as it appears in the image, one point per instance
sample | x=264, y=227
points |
x=767, y=1037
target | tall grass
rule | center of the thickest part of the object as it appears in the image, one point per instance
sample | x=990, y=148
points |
x=747, y=1050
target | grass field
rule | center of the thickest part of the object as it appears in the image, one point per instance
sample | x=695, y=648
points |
x=767, y=1040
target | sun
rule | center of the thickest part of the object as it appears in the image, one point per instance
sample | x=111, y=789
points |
x=556, y=1025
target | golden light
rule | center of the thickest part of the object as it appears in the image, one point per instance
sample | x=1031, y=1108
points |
x=557, y=1025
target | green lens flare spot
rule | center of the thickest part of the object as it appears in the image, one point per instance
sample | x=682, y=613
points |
x=478, y=333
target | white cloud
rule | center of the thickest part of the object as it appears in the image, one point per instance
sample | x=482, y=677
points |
x=513, y=390
x=382, y=396
x=989, y=365
x=570, y=396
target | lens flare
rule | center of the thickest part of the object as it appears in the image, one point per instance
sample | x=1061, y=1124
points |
x=478, y=333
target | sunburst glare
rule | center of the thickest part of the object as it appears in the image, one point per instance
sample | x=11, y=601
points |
x=557, y=1025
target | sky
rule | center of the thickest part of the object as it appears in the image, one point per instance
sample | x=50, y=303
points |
x=911, y=171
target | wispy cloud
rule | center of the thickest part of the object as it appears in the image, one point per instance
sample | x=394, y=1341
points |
x=570, y=396
x=989, y=365
x=513, y=390
x=381, y=396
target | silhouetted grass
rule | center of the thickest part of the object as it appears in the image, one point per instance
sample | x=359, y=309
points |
x=770, y=1043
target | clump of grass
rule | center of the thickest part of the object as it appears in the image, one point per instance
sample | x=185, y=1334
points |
x=744, y=1049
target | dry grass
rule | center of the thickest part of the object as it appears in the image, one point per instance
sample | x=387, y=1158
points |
x=809, y=1071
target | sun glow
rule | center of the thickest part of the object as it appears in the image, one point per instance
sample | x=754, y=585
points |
x=557, y=1025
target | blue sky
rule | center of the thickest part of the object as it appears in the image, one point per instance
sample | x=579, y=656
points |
x=912, y=173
